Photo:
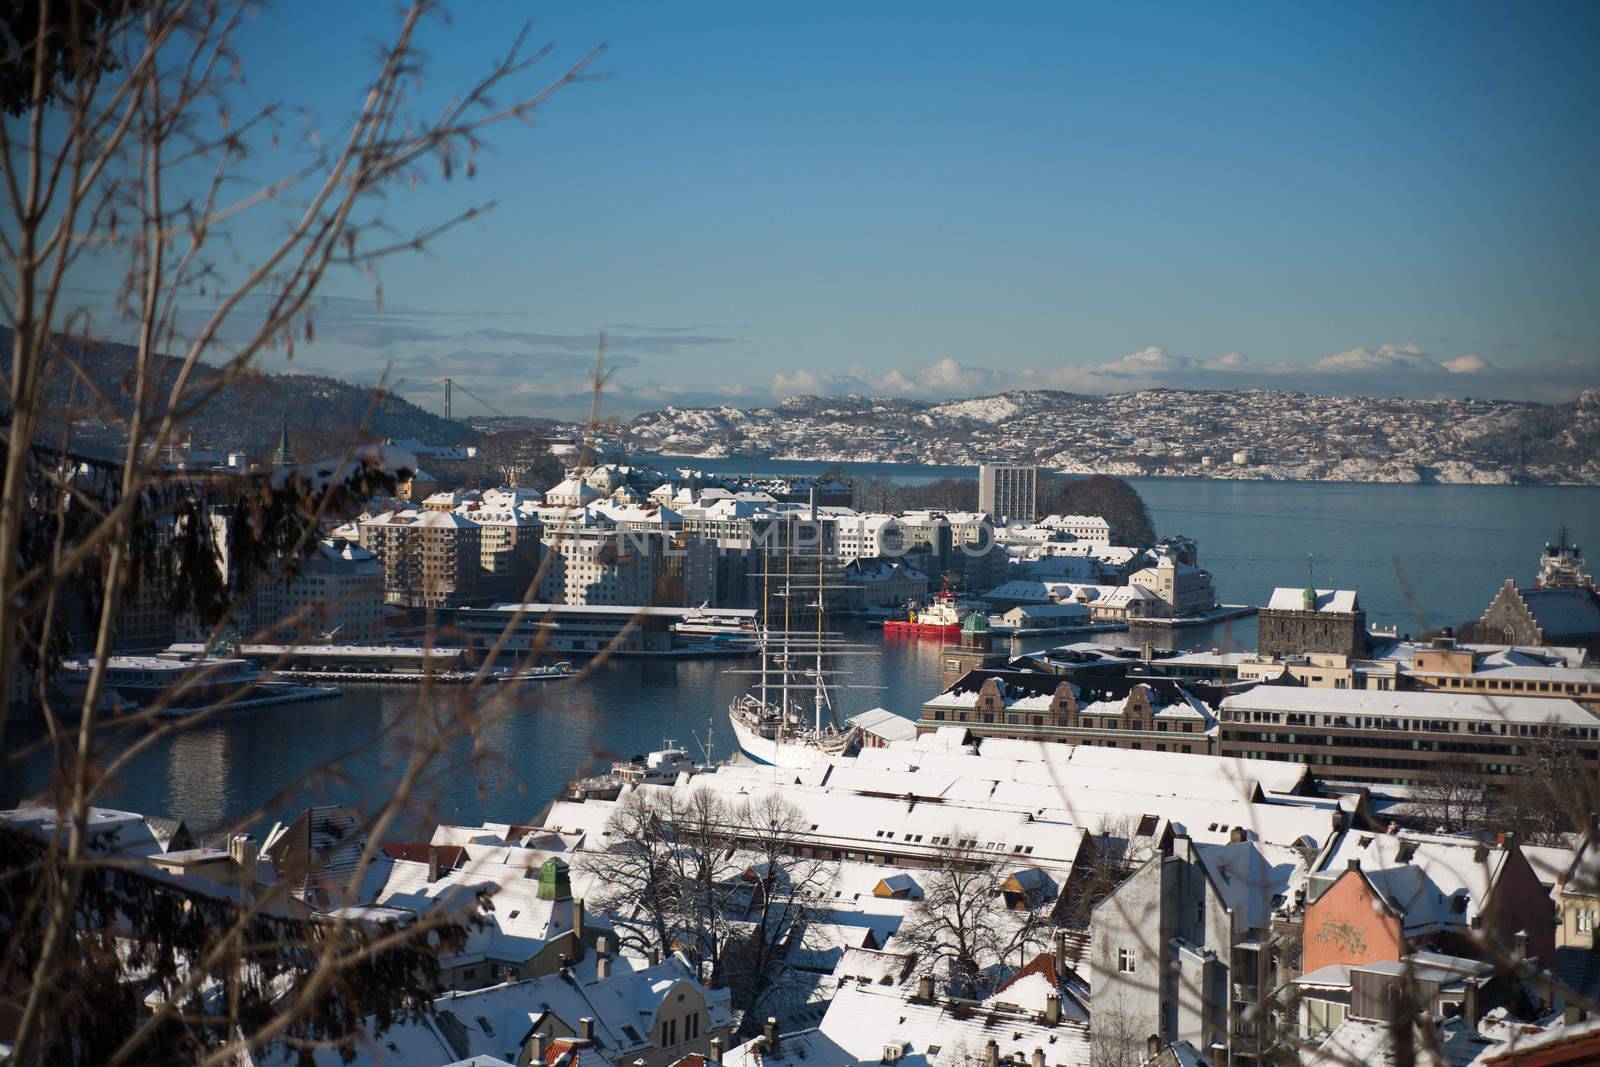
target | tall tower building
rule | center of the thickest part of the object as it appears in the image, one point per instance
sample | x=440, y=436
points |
x=1009, y=491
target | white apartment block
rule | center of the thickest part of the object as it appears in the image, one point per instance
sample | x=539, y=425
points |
x=1009, y=491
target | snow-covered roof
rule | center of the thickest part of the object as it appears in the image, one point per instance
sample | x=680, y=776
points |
x=1285, y=598
x=885, y=724
x=865, y=1020
x=1390, y=704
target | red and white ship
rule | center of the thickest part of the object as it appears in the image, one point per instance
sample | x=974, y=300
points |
x=940, y=619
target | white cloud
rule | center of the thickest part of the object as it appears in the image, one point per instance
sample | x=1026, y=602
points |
x=1387, y=357
x=1469, y=364
x=1389, y=369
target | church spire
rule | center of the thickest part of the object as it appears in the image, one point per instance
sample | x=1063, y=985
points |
x=1311, y=586
x=282, y=454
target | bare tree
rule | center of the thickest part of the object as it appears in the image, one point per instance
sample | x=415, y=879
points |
x=636, y=874
x=127, y=157
x=1455, y=799
x=662, y=876
x=975, y=922
x=1554, y=795
x=774, y=895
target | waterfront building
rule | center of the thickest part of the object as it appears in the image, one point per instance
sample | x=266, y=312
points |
x=430, y=558
x=1400, y=737
x=1154, y=714
x=1009, y=491
x=973, y=649
x=879, y=583
x=1044, y=617
x=1297, y=621
x=339, y=590
x=1560, y=615
x=509, y=547
x=586, y=629
x=589, y=560
x=1184, y=589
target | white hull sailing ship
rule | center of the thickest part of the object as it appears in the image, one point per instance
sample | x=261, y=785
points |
x=788, y=718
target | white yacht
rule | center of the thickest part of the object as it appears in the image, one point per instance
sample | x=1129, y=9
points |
x=660, y=767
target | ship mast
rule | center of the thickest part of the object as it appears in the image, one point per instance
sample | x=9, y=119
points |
x=821, y=694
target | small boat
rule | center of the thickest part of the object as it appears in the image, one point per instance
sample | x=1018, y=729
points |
x=660, y=767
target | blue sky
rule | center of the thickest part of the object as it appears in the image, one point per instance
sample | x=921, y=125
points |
x=936, y=200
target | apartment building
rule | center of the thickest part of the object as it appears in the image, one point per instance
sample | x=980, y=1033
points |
x=1154, y=715
x=1009, y=491
x=1399, y=737
x=430, y=559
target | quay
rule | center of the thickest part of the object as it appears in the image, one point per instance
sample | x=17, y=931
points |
x=275, y=694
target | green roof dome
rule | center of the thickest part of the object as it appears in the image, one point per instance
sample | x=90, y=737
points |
x=977, y=623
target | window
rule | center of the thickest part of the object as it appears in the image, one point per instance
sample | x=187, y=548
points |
x=1586, y=917
x=1125, y=961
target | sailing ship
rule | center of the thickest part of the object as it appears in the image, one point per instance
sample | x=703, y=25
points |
x=789, y=718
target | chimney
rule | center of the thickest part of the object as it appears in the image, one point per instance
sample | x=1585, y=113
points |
x=716, y=1050
x=1353, y=863
x=433, y=863
x=1058, y=949
x=1521, y=942
x=242, y=849
x=1038, y=1057
x=577, y=920
x=602, y=967
x=770, y=1032
x=536, y=1047
x=1573, y=1013
x=991, y=1054
x=1152, y=1046
x=925, y=987
x=1236, y=835
x=1052, y=1009
x=1469, y=1002
x=586, y=1029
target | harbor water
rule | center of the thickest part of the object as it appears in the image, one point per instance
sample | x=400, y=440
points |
x=1420, y=556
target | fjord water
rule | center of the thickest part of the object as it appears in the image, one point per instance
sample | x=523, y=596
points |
x=1421, y=556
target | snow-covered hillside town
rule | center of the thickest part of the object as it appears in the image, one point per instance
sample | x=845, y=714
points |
x=1252, y=434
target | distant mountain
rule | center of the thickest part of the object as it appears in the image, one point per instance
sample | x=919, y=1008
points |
x=246, y=416
x=1247, y=434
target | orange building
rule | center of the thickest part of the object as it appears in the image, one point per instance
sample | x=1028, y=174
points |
x=1376, y=897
